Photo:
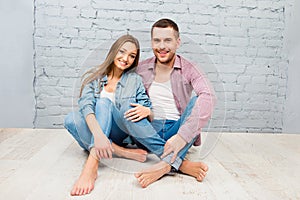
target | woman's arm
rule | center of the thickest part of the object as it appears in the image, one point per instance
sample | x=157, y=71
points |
x=143, y=106
x=87, y=103
x=102, y=144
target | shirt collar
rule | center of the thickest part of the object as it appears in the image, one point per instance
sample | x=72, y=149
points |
x=177, y=63
x=104, y=79
x=122, y=81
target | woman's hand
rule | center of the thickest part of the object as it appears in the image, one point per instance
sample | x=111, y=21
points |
x=103, y=147
x=137, y=113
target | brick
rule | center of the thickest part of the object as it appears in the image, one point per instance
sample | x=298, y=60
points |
x=79, y=23
x=70, y=32
x=232, y=21
x=229, y=78
x=227, y=50
x=259, y=79
x=233, y=31
x=70, y=12
x=242, y=79
x=88, y=13
x=239, y=42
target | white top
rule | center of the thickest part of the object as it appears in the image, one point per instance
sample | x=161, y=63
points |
x=109, y=95
x=163, y=103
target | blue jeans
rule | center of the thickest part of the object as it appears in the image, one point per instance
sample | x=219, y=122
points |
x=77, y=126
x=117, y=128
x=168, y=128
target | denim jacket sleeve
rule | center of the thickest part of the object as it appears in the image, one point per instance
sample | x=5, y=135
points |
x=141, y=95
x=87, y=100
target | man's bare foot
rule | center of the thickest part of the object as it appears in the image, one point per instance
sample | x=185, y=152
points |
x=195, y=169
x=86, y=181
x=134, y=154
x=153, y=173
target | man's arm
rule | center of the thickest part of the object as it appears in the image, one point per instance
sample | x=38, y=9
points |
x=200, y=114
x=203, y=107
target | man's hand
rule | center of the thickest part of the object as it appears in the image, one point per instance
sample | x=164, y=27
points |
x=137, y=113
x=174, y=144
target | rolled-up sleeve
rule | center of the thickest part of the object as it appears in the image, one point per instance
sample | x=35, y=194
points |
x=87, y=100
x=141, y=96
x=203, y=107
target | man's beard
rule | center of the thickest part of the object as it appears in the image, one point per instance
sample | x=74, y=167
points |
x=168, y=61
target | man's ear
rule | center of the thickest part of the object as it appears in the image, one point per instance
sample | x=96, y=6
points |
x=178, y=42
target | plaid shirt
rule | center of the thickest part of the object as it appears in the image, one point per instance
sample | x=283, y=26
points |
x=185, y=78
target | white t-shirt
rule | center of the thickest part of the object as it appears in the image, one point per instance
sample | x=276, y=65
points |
x=109, y=95
x=163, y=103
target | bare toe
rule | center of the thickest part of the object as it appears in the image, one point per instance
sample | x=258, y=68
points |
x=137, y=175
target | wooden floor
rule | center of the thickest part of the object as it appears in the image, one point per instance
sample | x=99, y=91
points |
x=41, y=164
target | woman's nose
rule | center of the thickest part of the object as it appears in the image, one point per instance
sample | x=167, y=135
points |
x=125, y=57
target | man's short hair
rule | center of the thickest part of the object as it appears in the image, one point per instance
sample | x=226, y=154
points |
x=166, y=23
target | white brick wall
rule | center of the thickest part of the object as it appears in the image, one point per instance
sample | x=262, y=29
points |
x=243, y=38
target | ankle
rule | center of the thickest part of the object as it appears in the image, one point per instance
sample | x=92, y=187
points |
x=167, y=167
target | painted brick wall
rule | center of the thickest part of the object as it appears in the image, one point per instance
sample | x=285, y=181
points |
x=238, y=43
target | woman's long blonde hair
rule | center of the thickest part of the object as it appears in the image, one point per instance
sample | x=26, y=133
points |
x=107, y=66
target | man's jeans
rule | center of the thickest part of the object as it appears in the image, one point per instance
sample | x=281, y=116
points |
x=117, y=128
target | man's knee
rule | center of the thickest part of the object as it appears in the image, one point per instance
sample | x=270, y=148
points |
x=194, y=99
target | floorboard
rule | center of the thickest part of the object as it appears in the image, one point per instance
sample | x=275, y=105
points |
x=44, y=163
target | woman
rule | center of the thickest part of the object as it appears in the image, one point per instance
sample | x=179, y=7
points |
x=106, y=93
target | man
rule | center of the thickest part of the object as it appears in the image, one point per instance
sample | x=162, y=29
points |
x=169, y=80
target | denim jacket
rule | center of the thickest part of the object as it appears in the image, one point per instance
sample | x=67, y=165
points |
x=130, y=87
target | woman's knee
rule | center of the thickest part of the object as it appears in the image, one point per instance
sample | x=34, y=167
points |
x=103, y=102
x=69, y=120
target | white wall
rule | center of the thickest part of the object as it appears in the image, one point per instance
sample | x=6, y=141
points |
x=291, y=117
x=16, y=64
x=243, y=38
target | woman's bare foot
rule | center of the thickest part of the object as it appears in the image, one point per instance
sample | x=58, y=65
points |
x=134, y=154
x=86, y=181
x=195, y=169
x=153, y=173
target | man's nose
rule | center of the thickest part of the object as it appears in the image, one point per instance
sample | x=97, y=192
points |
x=161, y=45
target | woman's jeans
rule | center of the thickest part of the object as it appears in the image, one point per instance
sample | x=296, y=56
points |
x=117, y=128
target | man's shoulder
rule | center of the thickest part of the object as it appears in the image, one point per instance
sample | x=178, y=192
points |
x=189, y=67
x=184, y=62
x=144, y=65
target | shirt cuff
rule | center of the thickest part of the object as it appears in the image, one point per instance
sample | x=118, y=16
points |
x=186, y=137
x=86, y=110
